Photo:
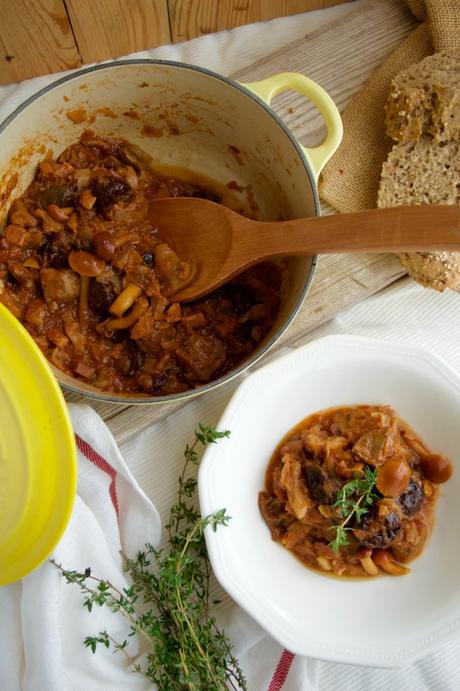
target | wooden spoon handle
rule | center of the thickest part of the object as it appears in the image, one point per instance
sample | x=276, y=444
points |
x=405, y=228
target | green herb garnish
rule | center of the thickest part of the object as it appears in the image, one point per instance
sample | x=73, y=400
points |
x=354, y=500
x=167, y=605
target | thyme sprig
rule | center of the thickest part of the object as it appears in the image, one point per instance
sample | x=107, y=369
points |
x=167, y=603
x=354, y=499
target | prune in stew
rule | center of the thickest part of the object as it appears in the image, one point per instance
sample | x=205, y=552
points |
x=412, y=499
x=149, y=259
x=393, y=521
x=101, y=296
x=240, y=296
x=159, y=380
x=120, y=336
x=379, y=540
x=379, y=533
x=316, y=479
x=109, y=190
x=55, y=249
x=137, y=356
x=11, y=281
x=243, y=332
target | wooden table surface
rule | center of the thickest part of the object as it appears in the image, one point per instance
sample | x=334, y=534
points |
x=42, y=36
x=340, y=56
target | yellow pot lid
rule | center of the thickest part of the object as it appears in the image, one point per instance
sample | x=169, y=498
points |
x=38, y=461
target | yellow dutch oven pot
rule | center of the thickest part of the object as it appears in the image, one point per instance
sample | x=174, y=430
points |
x=191, y=119
x=38, y=465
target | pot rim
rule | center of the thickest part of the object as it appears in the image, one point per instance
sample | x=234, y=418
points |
x=257, y=355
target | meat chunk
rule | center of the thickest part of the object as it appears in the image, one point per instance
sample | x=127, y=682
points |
x=11, y=302
x=335, y=452
x=299, y=500
x=59, y=285
x=21, y=276
x=352, y=423
x=314, y=440
x=204, y=355
x=376, y=446
x=294, y=446
x=275, y=515
x=411, y=540
x=17, y=235
x=297, y=536
x=147, y=330
x=145, y=277
x=35, y=313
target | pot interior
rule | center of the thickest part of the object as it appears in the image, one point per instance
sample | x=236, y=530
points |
x=188, y=122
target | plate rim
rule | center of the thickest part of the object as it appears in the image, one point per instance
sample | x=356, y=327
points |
x=390, y=656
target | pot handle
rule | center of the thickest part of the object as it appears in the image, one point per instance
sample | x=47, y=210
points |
x=267, y=88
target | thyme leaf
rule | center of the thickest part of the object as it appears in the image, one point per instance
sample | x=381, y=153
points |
x=354, y=499
x=167, y=603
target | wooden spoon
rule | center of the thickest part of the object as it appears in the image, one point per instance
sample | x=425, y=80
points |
x=221, y=243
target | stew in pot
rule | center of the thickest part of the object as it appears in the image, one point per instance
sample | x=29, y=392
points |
x=85, y=269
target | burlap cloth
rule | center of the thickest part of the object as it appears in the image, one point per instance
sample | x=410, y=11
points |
x=350, y=180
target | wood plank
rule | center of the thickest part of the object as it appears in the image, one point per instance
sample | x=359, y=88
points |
x=108, y=28
x=361, y=42
x=35, y=38
x=190, y=18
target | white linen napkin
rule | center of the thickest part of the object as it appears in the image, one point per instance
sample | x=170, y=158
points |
x=43, y=623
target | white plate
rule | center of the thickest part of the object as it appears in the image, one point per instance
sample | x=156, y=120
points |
x=387, y=621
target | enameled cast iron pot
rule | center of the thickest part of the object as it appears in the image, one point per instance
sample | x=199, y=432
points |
x=186, y=117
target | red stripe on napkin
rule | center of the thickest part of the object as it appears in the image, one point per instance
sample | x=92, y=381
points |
x=281, y=671
x=102, y=464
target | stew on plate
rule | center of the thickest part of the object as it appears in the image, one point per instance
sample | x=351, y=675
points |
x=352, y=491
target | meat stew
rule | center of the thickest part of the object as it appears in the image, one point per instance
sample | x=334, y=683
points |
x=351, y=491
x=85, y=269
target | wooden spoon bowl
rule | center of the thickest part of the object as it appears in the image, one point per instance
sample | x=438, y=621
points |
x=221, y=243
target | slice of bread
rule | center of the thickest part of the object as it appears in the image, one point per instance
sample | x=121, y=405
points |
x=425, y=99
x=424, y=172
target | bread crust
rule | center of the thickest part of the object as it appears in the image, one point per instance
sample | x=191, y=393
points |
x=425, y=99
x=424, y=172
